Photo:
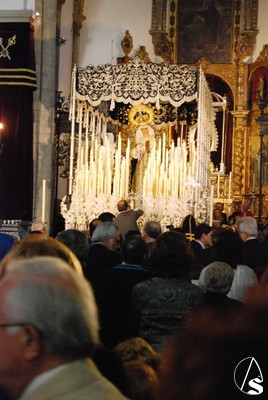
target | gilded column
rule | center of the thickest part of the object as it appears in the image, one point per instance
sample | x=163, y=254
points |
x=239, y=152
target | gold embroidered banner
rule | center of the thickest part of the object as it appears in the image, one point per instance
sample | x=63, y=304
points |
x=17, y=59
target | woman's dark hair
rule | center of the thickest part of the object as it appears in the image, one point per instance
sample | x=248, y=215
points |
x=227, y=247
x=172, y=256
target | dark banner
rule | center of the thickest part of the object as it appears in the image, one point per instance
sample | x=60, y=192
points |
x=17, y=82
x=17, y=60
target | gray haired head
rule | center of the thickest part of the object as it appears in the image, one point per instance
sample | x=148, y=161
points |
x=46, y=293
x=218, y=277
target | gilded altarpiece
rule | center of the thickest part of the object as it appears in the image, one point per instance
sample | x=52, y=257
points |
x=234, y=69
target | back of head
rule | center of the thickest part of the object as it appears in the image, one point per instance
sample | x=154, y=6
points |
x=137, y=348
x=218, y=350
x=248, y=225
x=47, y=294
x=76, y=241
x=39, y=245
x=93, y=225
x=152, y=229
x=133, y=249
x=106, y=217
x=172, y=255
x=201, y=229
x=38, y=226
x=122, y=205
x=227, y=247
x=105, y=230
x=218, y=277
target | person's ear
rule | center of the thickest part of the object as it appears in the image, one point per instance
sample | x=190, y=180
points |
x=33, y=342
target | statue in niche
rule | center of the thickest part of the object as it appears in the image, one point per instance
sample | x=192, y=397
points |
x=142, y=146
x=261, y=90
x=141, y=119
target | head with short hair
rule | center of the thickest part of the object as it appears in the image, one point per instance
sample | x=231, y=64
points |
x=228, y=247
x=106, y=230
x=76, y=241
x=106, y=217
x=122, y=205
x=108, y=234
x=172, y=256
x=152, y=229
x=201, y=229
x=218, y=277
x=40, y=245
x=47, y=294
x=247, y=226
x=93, y=225
x=137, y=348
x=133, y=249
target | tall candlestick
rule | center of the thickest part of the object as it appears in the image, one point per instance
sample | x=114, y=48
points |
x=72, y=132
x=230, y=185
x=43, y=200
x=218, y=187
x=211, y=204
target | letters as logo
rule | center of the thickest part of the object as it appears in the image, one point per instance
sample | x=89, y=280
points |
x=248, y=376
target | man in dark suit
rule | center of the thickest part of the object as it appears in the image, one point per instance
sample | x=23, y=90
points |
x=220, y=206
x=202, y=245
x=114, y=292
x=103, y=253
x=255, y=253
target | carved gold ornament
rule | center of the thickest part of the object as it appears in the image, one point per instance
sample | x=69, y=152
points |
x=143, y=114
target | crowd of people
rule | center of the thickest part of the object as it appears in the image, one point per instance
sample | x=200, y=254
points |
x=144, y=313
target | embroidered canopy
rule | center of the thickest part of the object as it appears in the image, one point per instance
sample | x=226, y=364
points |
x=137, y=82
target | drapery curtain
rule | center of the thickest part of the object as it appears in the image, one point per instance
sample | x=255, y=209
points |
x=17, y=82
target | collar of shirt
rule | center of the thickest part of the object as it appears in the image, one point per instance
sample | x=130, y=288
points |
x=203, y=246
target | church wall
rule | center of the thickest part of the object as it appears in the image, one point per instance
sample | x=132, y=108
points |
x=102, y=32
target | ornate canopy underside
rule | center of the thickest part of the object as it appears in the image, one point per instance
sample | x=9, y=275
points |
x=137, y=82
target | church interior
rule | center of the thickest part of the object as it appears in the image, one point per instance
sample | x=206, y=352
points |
x=165, y=106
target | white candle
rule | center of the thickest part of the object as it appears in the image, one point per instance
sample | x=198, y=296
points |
x=43, y=200
x=218, y=187
x=211, y=204
x=230, y=185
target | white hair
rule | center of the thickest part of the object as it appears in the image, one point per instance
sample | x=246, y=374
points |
x=248, y=225
x=218, y=277
x=48, y=294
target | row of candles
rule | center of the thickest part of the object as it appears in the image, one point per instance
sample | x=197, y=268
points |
x=168, y=170
x=104, y=169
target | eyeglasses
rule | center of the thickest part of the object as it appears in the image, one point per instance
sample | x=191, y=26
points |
x=10, y=325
